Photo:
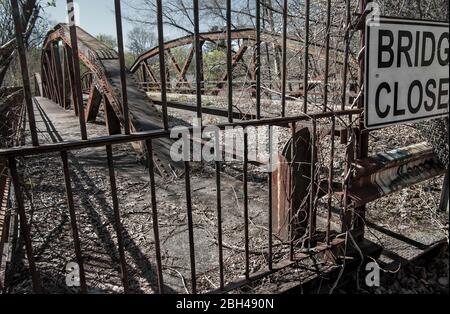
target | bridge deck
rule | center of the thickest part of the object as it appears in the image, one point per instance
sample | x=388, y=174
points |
x=93, y=204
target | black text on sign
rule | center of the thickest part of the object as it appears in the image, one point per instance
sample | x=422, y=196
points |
x=407, y=71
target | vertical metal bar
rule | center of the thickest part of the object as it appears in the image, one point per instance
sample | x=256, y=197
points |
x=219, y=223
x=151, y=172
x=162, y=63
x=218, y=164
x=24, y=228
x=123, y=78
x=292, y=196
x=327, y=57
x=73, y=221
x=246, y=233
x=330, y=180
x=117, y=220
x=70, y=70
x=312, y=195
x=229, y=63
x=363, y=135
x=270, y=197
x=284, y=60
x=58, y=72
x=51, y=76
x=346, y=54
x=444, y=199
x=198, y=61
x=190, y=225
x=349, y=154
x=258, y=59
x=24, y=70
x=76, y=69
x=306, y=57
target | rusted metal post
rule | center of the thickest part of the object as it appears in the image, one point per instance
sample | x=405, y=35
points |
x=327, y=57
x=444, y=202
x=59, y=74
x=123, y=70
x=362, y=149
x=284, y=59
x=246, y=232
x=346, y=54
x=229, y=64
x=306, y=58
x=151, y=172
x=258, y=59
x=218, y=164
x=117, y=219
x=313, y=188
x=162, y=63
x=24, y=70
x=330, y=179
x=112, y=121
x=187, y=178
x=198, y=61
x=69, y=58
x=76, y=69
x=73, y=221
x=271, y=169
x=24, y=227
x=219, y=224
x=292, y=204
x=346, y=214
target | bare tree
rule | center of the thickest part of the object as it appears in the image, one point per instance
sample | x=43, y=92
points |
x=30, y=10
x=140, y=40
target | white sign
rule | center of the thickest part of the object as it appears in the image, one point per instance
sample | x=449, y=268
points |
x=407, y=71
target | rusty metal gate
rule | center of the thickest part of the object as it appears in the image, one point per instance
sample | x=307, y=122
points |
x=338, y=114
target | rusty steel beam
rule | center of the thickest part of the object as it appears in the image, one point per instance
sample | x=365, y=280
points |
x=93, y=104
x=174, y=61
x=104, y=64
x=69, y=67
x=112, y=121
x=187, y=63
x=150, y=72
x=292, y=43
x=59, y=73
x=235, y=60
x=66, y=82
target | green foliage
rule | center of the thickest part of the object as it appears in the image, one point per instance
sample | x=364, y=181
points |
x=129, y=59
x=214, y=65
x=108, y=40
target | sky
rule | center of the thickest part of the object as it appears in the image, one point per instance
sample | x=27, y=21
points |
x=98, y=17
x=95, y=16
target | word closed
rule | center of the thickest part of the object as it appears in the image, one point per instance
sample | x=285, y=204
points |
x=407, y=71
